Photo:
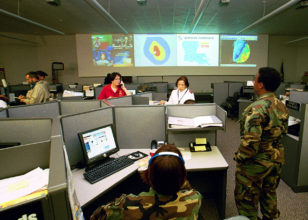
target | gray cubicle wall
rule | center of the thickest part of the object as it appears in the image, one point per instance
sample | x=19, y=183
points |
x=78, y=106
x=281, y=90
x=294, y=172
x=132, y=86
x=24, y=158
x=220, y=92
x=299, y=96
x=124, y=100
x=146, y=94
x=234, y=87
x=97, y=91
x=3, y=113
x=25, y=131
x=137, y=126
x=159, y=96
x=73, y=124
x=297, y=86
x=140, y=100
x=182, y=137
x=47, y=110
x=58, y=181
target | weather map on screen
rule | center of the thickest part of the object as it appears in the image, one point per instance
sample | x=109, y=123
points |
x=155, y=49
x=198, y=49
x=238, y=50
x=113, y=50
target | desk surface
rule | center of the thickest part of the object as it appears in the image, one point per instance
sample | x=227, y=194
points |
x=200, y=161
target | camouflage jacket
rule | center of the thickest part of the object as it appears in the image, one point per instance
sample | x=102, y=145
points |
x=151, y=205
x=262, y=125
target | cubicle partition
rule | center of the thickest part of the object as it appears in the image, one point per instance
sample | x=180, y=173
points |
x=299, y=96
x=220, y=92
x=146, y=94
x=73, y=124
x=137, y=126
x=132, y=86
x=78, y=106
x=159, y=96
x=45, y=154
x=294, y=172
x=25, y=131
x=3, y=113
x=182, y=137
x=124, y=100
x=49, y=109
x=234, y=87
x=97, y=91
x=140, y=100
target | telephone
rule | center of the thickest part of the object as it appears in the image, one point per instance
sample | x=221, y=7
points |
x=153, y=144
x=193, y=147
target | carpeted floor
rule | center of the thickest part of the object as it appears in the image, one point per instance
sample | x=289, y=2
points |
x=292, y=206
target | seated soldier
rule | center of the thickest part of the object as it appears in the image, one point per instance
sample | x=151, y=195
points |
x=38, y=92
x=170, y=195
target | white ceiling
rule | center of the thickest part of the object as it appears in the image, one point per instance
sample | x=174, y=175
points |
x=157, y=16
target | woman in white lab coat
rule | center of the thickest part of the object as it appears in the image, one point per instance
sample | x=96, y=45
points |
x=181, y=93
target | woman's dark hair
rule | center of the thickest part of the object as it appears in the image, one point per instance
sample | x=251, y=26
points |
x=166, y=174
x=190, y=101
x=107, y=79
x=183, y=78
x=113, y=76
x=41, y=73
x=270, y=78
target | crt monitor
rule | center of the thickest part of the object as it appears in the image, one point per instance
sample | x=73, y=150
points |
x=132, y=91
x=249, y=83
x=98, y=144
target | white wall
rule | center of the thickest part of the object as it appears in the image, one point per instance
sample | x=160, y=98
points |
x=19, y=57
x=293, y=55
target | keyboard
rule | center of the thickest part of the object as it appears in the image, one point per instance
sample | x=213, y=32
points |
x=107, y=168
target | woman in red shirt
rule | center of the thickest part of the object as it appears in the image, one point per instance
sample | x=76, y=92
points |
x=115, y=89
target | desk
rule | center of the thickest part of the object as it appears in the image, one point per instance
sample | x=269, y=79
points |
x=200, y=167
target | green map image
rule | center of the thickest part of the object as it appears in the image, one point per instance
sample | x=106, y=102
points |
x=241, y=51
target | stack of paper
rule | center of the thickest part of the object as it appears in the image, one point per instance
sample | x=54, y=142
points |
x=24, y=187
x=68, y=93
x=201, y=121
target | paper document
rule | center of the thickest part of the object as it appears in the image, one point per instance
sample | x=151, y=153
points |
x=68, y=93
x=19, y=186
x=200, y=121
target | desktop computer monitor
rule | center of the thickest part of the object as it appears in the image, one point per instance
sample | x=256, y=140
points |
x=98, y=144
x=132, y=91
x=249, y=83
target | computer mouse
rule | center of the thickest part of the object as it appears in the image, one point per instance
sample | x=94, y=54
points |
x=136, y=154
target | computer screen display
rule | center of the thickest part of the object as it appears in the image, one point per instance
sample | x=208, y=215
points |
x=132, y=91
x=98, y=143
x=249, y=83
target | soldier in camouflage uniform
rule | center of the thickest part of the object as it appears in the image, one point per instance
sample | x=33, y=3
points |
x=170, y=195
x=260, y=155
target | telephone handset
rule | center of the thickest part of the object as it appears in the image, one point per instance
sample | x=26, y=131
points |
x=153, y=144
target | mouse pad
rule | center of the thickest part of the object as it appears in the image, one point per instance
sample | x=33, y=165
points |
x=137, y=155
